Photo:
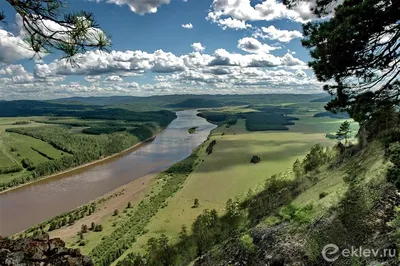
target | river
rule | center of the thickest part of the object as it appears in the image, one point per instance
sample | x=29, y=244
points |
x=31, y=204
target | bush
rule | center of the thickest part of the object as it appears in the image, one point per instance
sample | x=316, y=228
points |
x=210, y=147
x=255, y=159
x=323, y=194
x=10, y=169
x=116, y=212
x=196, y=203
x=98, y=228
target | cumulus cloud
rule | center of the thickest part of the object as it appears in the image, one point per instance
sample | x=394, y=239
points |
x=13, y=48
x=114, y=78
x=92, y=79
x=228, y=23
x=130, y=63
x=198, y=47
x=290, y=60
x=273, y=33
x=187, y=26
x=256, y=71
x=300, y=73
x=140, y=6
x=252, y=45
x=16, y=73
x=241, y=11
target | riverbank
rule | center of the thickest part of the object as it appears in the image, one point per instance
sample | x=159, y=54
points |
x=40, y=201
x=130, y=193
x=87, y=165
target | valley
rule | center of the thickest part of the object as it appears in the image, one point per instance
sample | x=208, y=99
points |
x=121, y=211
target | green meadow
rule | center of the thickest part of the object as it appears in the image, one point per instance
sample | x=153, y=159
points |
x=16, y=147
x=227, y=172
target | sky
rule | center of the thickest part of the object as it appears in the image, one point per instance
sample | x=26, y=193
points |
x=167, y=47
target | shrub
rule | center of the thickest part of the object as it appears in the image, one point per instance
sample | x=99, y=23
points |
x=84, y=228
x=196, y=203
x=98, y=228
x=210, y=147
x=323, y=194
x=255, y=159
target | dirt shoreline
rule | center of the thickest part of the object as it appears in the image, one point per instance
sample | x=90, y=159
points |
x=133, y=192
x=81, y=167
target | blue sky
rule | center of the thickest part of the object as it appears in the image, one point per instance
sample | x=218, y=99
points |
x=232, y=46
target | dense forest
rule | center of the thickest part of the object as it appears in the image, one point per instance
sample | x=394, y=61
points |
x=267, y=118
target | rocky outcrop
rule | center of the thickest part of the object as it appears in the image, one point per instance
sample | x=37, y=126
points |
x=41, y=251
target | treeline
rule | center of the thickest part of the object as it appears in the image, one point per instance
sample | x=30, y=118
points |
x=220, y=118
x=70, y=217
x=42, y=153
x=269, y=118
x=39, y=108
x=21, y=123
x=11, y=169
x=114, y=245
x=209, y=229
x=64, y=219
x=102, y=130
x=268, y=121
x=210, y=147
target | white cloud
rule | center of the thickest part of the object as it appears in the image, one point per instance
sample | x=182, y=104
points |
x=187, y=26
x=132, y=63
x=140, y=6
x=290, y=60
x=17, y=74
x=13, y=48
x=92, y=79
x=252, y=45
x=198, y=47
x=114, y=78
x=273, y=33
x=229, y=23
x=222, y=71
x=300, y=73
x=242, y=11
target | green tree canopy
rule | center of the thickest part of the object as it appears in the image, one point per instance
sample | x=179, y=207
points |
x=48, y=27
x=343, y=131
x=356, y=52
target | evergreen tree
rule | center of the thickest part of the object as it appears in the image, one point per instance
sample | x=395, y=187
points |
x=343, y=131
x=356, y=52
x=70, y=33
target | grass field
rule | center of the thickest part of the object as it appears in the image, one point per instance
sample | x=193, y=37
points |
x=15, y=147
x=228, y=173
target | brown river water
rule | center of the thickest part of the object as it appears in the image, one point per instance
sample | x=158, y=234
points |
x=31, y=204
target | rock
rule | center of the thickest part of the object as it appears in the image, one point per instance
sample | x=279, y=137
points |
x=40, y=251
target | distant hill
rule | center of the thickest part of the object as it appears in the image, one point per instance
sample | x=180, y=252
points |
x=165, y=100
x=36, y=108
x=196, y=103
